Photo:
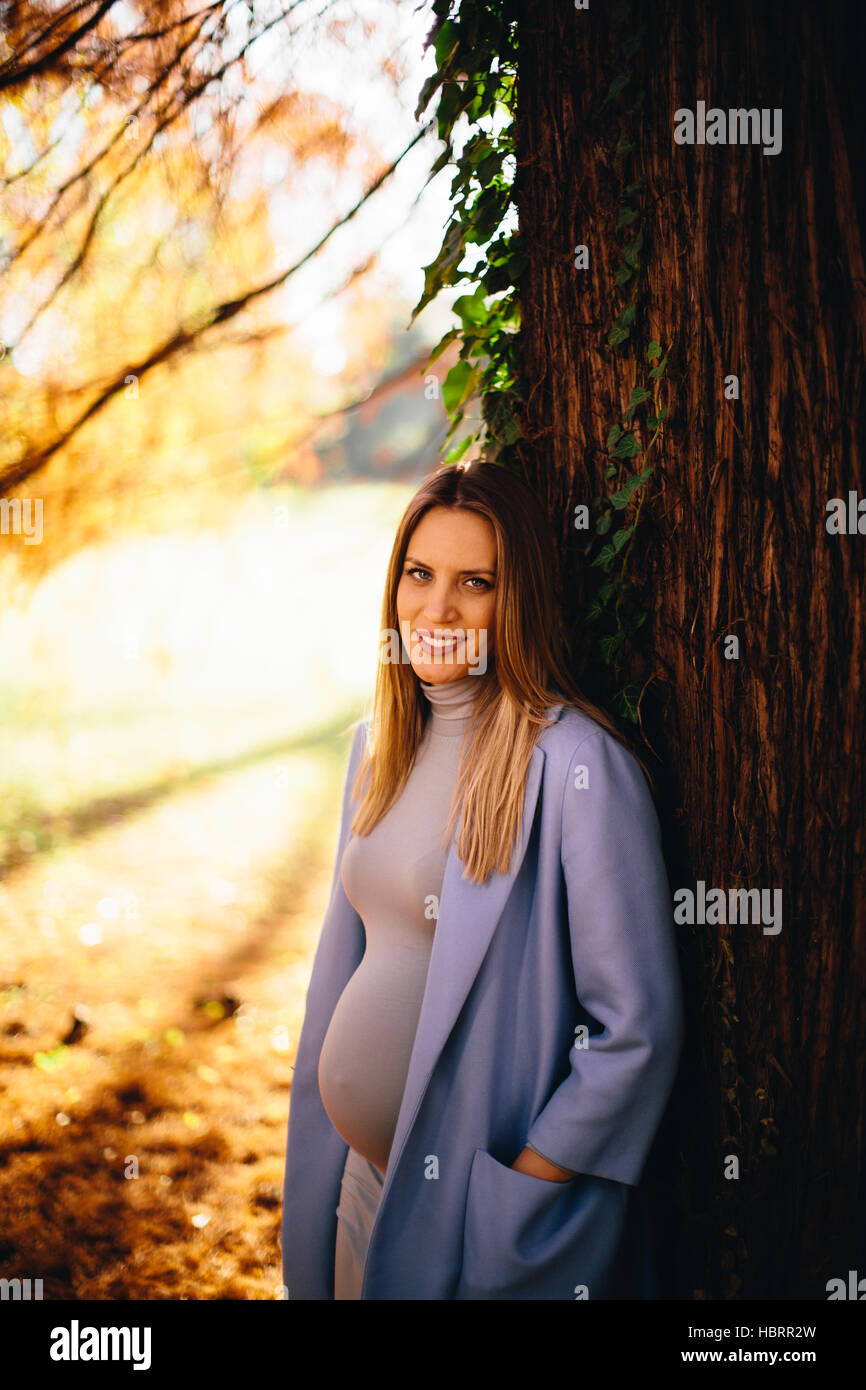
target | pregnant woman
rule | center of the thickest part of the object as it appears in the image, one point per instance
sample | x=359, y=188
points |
x=494, y=1017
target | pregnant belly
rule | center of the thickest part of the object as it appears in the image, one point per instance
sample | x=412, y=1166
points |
x=365, y=1055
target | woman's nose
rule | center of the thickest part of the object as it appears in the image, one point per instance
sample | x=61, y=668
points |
x=442, y=605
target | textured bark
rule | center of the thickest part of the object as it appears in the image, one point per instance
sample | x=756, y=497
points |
x=753, y=264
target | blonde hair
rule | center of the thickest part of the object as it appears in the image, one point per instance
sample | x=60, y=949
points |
x=526, y=674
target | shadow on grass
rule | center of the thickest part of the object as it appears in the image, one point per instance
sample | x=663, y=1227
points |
x=70, y=1215
x=51, y=829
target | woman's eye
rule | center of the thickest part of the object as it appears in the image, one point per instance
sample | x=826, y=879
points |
x=472, y=579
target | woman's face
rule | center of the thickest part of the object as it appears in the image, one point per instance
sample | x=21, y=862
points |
x=446, y=594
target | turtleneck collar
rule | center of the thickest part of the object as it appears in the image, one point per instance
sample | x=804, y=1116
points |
x=451, y=704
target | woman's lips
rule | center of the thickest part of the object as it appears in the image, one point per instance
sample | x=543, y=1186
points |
x=439, y=645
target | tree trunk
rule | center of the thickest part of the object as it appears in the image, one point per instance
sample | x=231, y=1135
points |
x=753, y=265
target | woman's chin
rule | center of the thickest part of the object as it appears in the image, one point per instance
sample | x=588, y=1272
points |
x=437, y=673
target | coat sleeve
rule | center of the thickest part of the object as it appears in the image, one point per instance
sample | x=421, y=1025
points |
x=315, y=1152
x=603, y=1117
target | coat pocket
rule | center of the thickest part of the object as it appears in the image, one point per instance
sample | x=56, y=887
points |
x=529, y=1238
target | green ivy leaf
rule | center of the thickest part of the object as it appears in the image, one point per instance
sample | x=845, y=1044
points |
x=631, y=45
x=440, y=162
x=455, y=455
x=625, y=702
x=610, y=645
x=619, y=82
x=638, y=396
x=627, y=447
x=604, y=557
x=630, y=252
x=488, y=169
x=476, y=150
x=429, y=87
x=627, y=215
x=458, y=385
x=622, y=498
x=446, y=42
x=442, y=271
x=512, y=431
x=655, y=420
x=472, y=309
x=486, y=214
x=653, y=351
x=443, y=343
x=497, y=278
x=450, y=105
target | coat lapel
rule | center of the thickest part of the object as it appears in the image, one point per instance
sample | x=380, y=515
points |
x=468, y=915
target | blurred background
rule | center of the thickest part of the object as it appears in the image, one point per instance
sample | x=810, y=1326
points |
x=213, y=226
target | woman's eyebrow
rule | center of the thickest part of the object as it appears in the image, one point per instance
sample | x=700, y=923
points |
x=411, y=559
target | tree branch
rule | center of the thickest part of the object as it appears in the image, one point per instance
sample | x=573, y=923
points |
x=31, y=464
x=16, y=76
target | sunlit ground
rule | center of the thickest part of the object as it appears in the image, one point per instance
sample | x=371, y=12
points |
x=172, y=749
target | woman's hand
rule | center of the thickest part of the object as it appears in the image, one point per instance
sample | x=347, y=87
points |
x=528, y=1161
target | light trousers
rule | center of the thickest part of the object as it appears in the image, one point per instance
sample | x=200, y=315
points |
x=360, y=1192
x=633, y=1267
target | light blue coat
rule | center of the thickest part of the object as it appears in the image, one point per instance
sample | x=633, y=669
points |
x=579, y=931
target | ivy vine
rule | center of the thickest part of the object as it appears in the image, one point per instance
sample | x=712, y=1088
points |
x=475, y=47
x=615, y=606
x=475, y=50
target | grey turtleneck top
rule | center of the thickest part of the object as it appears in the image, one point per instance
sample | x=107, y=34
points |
x=393, y=878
